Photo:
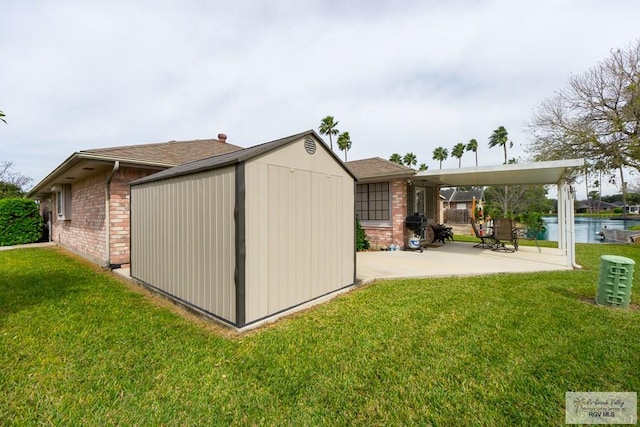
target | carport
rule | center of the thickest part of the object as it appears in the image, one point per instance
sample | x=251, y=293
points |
x=558, y=172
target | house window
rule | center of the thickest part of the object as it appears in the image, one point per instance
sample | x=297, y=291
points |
x=372, y=201
x=63, y=201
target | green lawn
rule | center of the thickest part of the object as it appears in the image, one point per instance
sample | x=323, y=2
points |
x=78, y=347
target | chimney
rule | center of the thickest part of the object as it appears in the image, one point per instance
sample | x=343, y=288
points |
x=222, y=137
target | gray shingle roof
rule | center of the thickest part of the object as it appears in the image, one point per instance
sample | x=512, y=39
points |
x=166, y=153
x=454, y=195
x=376, y=167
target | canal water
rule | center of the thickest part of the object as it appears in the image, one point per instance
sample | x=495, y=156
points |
x=586, y=228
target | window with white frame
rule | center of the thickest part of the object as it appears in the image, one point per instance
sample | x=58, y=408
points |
x=63, y=201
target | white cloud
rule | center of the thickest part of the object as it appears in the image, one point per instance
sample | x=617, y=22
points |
x=399, y=76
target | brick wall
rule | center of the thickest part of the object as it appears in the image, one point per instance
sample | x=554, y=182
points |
x=383, y=235
x=84, y=233
x=119, y=213
x=395, y=233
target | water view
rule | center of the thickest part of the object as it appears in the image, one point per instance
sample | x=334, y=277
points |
x=586, y=228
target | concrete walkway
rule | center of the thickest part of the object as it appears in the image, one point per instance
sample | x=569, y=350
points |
x=29, y=245
x=456, y=259
x=451, y=259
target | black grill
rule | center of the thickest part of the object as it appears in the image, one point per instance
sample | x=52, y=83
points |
x=416, y=223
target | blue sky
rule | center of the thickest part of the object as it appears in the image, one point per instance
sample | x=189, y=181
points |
x=399, y=76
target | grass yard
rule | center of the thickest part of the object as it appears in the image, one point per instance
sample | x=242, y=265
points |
x=79, y=347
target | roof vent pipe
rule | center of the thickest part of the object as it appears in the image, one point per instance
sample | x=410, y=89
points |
x=222, y=137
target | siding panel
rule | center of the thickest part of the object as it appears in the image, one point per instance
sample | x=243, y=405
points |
x=300, y=230
x=183, y=238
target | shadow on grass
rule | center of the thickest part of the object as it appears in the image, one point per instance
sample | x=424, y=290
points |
x=25, y=290
x=587, y=299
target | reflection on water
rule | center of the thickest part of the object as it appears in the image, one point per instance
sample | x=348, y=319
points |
x=586, y=228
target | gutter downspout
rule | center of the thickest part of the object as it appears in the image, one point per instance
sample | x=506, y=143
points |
x=107, y=216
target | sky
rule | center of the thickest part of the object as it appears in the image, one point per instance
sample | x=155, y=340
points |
x=399, y=76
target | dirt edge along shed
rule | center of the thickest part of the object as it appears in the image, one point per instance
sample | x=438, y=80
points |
x=247, y=236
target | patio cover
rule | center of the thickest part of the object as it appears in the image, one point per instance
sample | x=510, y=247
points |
x=558, y=172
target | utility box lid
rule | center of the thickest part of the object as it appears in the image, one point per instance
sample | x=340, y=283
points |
x=616, y=259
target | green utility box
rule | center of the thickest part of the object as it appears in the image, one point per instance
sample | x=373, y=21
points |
x=614, y=284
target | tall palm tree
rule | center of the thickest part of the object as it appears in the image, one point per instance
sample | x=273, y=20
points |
x=458, y=151
x=1, y=116
x=473, y=146
x=410, y=159
x=500, y=136
x=396, y=158
x=344, y=143
x=328, y=126
x=440, y=154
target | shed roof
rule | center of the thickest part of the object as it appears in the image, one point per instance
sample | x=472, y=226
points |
x=375, y=167
x=227, y=159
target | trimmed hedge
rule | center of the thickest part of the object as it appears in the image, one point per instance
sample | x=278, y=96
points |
x=20, y=222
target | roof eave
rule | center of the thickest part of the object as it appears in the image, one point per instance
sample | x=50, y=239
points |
x=42, y=188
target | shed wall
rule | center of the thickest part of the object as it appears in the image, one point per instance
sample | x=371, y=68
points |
x=183, y=238
x=300, y=229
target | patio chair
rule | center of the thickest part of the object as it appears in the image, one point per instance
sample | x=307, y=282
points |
x=486, y=241
x=503, y=234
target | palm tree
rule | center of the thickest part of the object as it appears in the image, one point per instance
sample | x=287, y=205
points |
x=328, y=126
x=440, y=154
x=410, y=159
x=500, y=136
x=344, y=143
x=458, y=151
x=396, y=158
x=423, y=167
x=473, y=146
x=1, y=116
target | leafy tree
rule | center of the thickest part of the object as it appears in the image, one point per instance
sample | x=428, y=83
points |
x=396, y=158
x=344, y=143
x=514, y=200
x=2, y=116
x=473, y=146
x=409, y=159
x=500, y=137
x=440, y=154
x=458, y=151
x=597, y=116
x=10, y=190
x=11, y=178
x=328, y=126
x=423, y=167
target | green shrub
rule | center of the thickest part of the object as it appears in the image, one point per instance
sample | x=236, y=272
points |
x=20, y=222
x=362, y=244
x=617, y=210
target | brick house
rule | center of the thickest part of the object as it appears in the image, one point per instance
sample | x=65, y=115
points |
x=386, y=193
x=85, y=200
x=458, y=203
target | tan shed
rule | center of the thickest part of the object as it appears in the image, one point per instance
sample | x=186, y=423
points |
x=247, y=235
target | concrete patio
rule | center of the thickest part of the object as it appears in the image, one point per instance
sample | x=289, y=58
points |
x=456, y=259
